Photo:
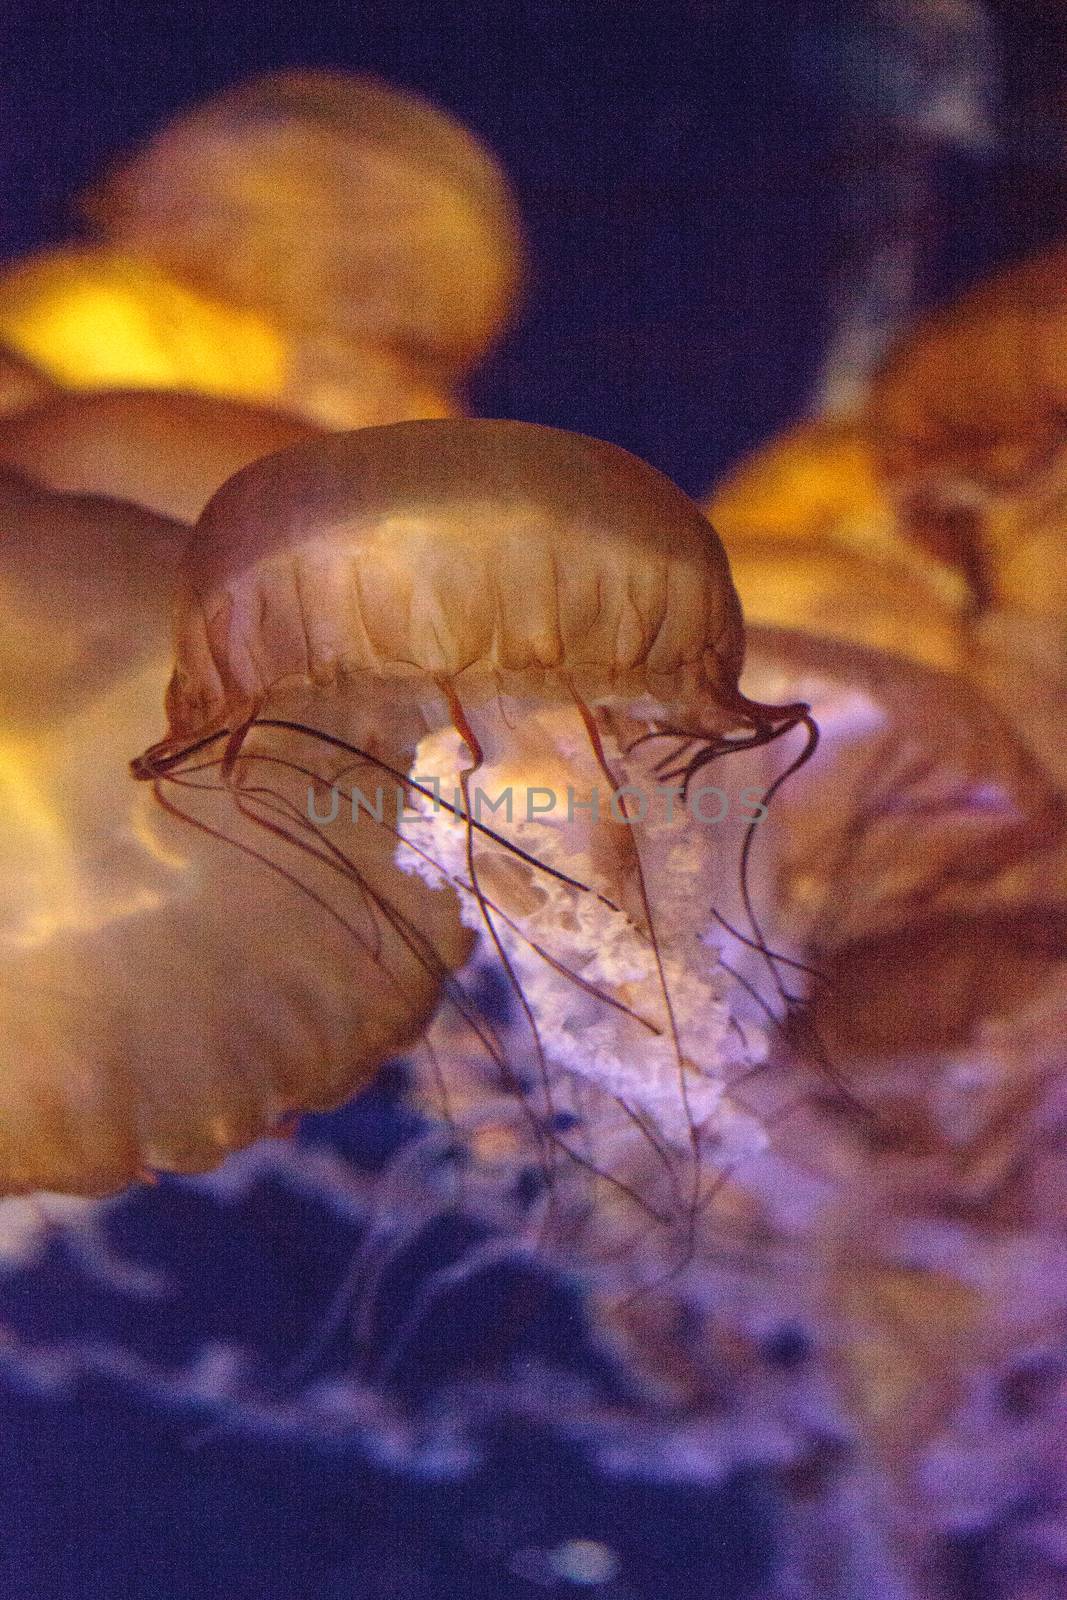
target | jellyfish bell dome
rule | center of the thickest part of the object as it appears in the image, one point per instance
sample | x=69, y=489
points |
x=360, y=209
x=164, y=450
x=171, y=988
x=481, y=553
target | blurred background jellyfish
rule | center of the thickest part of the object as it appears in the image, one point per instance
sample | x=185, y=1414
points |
x=814, y=544
x=168, y=991
x=930, y=523
x=166, y=451
x=967, y=423
x=315, y=240
x=975, y=393
x=966, y=427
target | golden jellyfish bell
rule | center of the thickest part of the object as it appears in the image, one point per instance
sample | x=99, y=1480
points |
x=532, y=625
x=330, y=204
x=814, y=544
x=170, y=988
x=456, y=552
x=166, y=451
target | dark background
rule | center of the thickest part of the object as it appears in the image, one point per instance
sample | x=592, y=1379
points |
x=688, y=174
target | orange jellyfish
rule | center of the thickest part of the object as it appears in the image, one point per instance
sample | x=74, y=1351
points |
x=532, y=638
x=967, y=425
x=967, y=421
x=165, y=450
x=314, y=240
x=170, y=989
x=921, y=800
x=814, y=543
x=822, y=537
x=978, y=390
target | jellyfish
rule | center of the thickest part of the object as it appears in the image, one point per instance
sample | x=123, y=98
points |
x=921, y=799
x=531, y=637
x=169, y=989
x=966, y=420
x=977, y=390
x=813, y=540
x=821, y=537
x=165, y=450
x=966, y=426
x=314, y=240
x=966, y=423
